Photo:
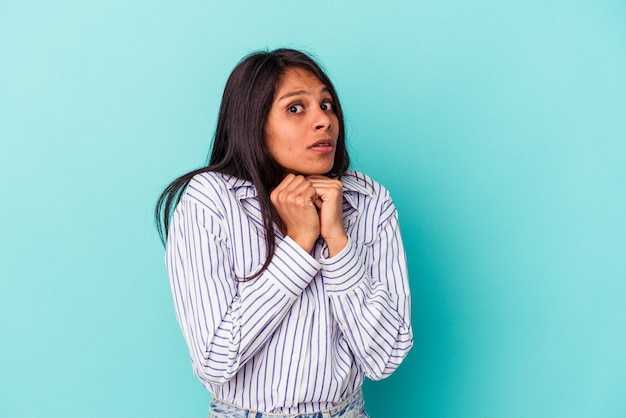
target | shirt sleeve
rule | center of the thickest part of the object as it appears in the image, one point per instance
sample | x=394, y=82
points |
x=225, y=323
x=369, y=292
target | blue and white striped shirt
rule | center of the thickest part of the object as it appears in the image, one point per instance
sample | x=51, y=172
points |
x=301, y=336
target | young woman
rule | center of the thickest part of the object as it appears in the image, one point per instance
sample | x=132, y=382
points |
x=287, y=269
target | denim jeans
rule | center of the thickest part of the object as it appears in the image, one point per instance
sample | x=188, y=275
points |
x=353, y=407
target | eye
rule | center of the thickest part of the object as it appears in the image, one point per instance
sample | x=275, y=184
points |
x=327, y=105
x=296, y=108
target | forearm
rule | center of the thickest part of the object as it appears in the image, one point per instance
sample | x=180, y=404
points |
x=371, y=322
x=260, y=308
x=372, y=304
x=224, y=321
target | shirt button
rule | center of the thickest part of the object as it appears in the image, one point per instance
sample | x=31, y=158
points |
x=303, y=314
x=288, y=404
x=295, y=357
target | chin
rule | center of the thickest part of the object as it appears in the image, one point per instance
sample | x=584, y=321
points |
x=320, y=172
x=311, y=169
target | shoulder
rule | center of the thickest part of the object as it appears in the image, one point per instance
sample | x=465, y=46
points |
x=212, y=188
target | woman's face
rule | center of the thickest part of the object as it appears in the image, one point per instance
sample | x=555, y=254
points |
x=301, y=129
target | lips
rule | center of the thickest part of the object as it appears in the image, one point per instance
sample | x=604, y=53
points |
x=323, y=144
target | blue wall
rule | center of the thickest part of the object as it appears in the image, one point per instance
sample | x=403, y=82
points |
x=498, y=126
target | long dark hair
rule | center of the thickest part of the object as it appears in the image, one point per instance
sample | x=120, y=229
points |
x=239, y=144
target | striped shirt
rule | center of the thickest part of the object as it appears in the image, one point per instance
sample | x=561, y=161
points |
x=301, y=336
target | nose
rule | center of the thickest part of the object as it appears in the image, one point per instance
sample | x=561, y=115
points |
x=321, y=120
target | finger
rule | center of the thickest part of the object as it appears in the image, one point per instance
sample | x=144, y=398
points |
x=321, y=181
x=286, y=181
x=291, y=184
x=294, y=190
x=300, y=187
x=328, y=191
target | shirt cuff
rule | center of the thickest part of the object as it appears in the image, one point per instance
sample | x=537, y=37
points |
x=292, y=267
x=344, y=271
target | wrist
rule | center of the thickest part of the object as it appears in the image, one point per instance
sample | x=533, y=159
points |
x=336, y=244
x=305, y=241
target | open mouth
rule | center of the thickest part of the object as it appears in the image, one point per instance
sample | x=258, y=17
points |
x=322, y=145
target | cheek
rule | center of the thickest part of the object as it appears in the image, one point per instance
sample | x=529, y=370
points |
x=281, y=146
x=283, y=141
x=335, y=124
x=278, y=148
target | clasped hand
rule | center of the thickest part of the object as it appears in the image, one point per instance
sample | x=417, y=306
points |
x=309, y=207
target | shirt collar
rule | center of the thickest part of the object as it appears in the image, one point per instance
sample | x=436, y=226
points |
x=358, y=183
x=243, y=189
x=353, y=183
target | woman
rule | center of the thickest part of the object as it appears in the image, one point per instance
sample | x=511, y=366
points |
x=287, y=269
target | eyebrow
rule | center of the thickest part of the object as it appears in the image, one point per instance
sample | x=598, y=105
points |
x=299, y=93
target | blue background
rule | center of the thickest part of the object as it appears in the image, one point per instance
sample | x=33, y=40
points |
x=498, y=126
